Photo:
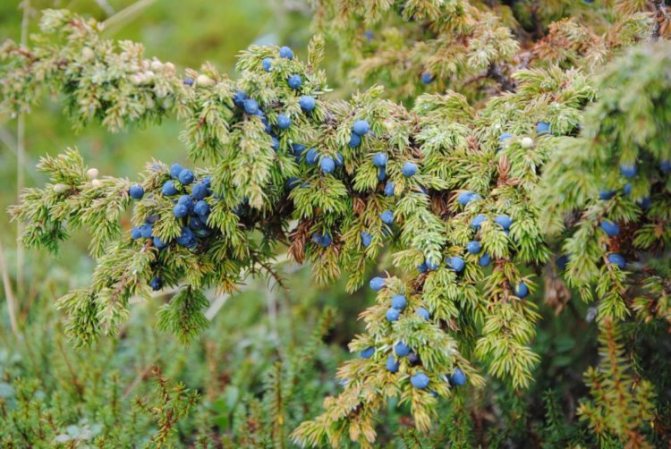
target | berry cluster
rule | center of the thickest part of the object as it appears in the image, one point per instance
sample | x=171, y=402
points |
x=474, y=247
x=359, y=129
x=283, y=121
x=190, y=207
x=628, y=171
x=402, y=351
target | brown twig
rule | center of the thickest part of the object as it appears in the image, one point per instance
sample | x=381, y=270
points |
x=21, y=156
x=9, y=294
x=497, y=75
x=661, y=17
x=142, y=375
x=75, y=379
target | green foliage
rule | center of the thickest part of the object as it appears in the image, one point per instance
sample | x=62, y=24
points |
x=531, y=131
x=81, y=402
x=229, y=388
x=622, y=407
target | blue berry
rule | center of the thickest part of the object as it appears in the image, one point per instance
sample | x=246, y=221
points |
x=325, y=240
x=200, y=191
x=186, y=177
x=409, y=169
x=504, y=221
x=423, y=313
x=466, y=197
x=456, y=263
x=368, y=34
x=298, y=149
x=175, y=170
x=431, y=265
x=283, y=121
x=562, y=262
x=393, y=315
x=295, y=81
x=665, y=166
x=628, y=170
x=327, y=165
x=458, y=377
x=187, y=238
x=420, y=381
x=413, y=358
x=251, y=106
x=381, y=174
x=387, y=217
x=521, y=291
x=293, y=182
x=286, y=53
x=339, y=160
x=156, y=283
x=267, y=64
x=266, y=123
x=617, y=259
x=542, y=128
x=311, y=156
x=478, y=220
x=196, y=224
x=366, y=239
x=360, y=128
x=186, y=200
x=645, y=202
x=422, y=267
x=473, y=247
x=377, y=283
x=188, y=81
x=401, y=349
x=180, y=210
x=322, y=240
x=392, y=364
x=136, y=191
x=145, y=231
x=136, y=233
x=505, y=136
x=354, y=140
x=159, y=243
x=389, y=188
x=380, y=159
x=606, y=194
x=275, y=145
x=610, y=228
x=627, y=189
x=367, y=353
x=427, y=78
x=239, y=98
x=485, y=260
x=398, y=302
x=202, y=208
x=169, y=189
x=307, y=103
